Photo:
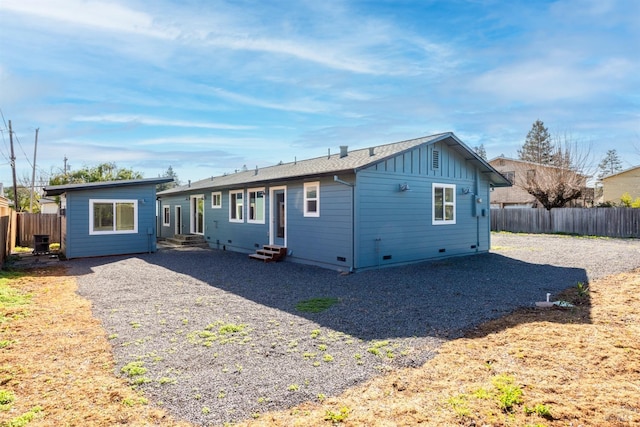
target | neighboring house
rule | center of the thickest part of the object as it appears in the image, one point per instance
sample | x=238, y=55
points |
x=626, y=181
x=107, y=218
x=48, y=206
x=518, y=172
x=392, y=204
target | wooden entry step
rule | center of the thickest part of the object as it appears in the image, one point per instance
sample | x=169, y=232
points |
x=270, y=253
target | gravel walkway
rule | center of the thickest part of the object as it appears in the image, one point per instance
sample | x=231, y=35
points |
x=221, y=339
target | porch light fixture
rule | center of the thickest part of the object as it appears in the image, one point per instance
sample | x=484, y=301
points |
x=466, y=190
x=404, y=187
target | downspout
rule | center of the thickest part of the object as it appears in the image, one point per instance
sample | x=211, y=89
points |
x=353, y=219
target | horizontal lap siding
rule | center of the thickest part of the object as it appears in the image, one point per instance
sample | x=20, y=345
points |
x=321, y=240
x=79, y=243
x=172, y=202
x=396, y=224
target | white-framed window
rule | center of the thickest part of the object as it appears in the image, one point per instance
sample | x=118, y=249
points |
x=312, y=198
x=236, y=206
x=256, y=205
x=444, y=204
x=113, y=216
x=216, y=200
x=166, y=216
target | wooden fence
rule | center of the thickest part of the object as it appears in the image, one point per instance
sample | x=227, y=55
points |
x=608, y=222
x=30, y=224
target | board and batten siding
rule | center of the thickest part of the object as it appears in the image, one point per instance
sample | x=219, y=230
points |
x=79, y=243
x=395, y=227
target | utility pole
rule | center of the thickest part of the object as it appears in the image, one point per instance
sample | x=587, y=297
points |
x=16, y=204
x=33, y=176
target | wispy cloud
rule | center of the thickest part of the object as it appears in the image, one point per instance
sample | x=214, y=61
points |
x=301, y=106
x=154, y=121
x=101, y=15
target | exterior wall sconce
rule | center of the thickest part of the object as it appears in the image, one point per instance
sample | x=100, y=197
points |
x=466, y=190
x=404, y=187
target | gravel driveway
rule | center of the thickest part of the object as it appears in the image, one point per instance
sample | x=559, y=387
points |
x=221, y=339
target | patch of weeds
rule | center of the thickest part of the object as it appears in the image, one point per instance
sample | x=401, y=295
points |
x=5, y=343
x=206, y=410
x=130, y=401
x=315, y=333
x=482, y=393
x=262, y=399
x=316, y=305
x=322, y=347
x=197, y=396
x=221, y=394
x=113, y=336
x=379, y=348
x=6, y=399
x=221, y=333
x=140, y=380
x=460, y=405
x=327, y=358
x=134, y=369
x=540, y=410
x=293, y=387
x=167, y=380
x=255, y=415
x=582, y=289
x=12, y=300
x=321, y=397
x=293, y=344
x=24, y=419
x=509, y=393
x=135, y=325
x=337, y=417
x=316, y=364
x=309, y=355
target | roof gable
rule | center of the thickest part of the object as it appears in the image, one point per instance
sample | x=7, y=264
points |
x=353, y=161
x=624, y=172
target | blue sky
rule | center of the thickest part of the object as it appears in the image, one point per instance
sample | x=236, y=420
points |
x=208, y=86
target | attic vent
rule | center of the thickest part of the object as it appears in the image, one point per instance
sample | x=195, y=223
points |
x=372, y=151
x=343, y=151
x=435, y=164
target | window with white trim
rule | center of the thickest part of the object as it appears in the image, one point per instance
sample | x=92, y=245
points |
x=113, y=216
x=444, y=204
x=236, y=206
x=312, y=198
x=216, y=200
x=166, y=216
x=256, y=205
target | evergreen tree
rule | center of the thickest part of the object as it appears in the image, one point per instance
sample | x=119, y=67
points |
x=537, y=146
x=169, y=173
x=610, y=164
x=480, y=151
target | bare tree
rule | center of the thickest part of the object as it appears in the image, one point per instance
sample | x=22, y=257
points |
x=564, y=179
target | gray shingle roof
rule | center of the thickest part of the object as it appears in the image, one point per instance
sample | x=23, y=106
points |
x=56, y=190
x=333, y=164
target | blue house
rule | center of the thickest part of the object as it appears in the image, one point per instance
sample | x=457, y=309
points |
x=393, y=204
x=107, y=218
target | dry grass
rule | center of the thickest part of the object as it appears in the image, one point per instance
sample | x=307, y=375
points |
x=582, y=365
x=59, y=360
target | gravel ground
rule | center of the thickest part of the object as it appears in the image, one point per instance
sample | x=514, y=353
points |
x=222, y=341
